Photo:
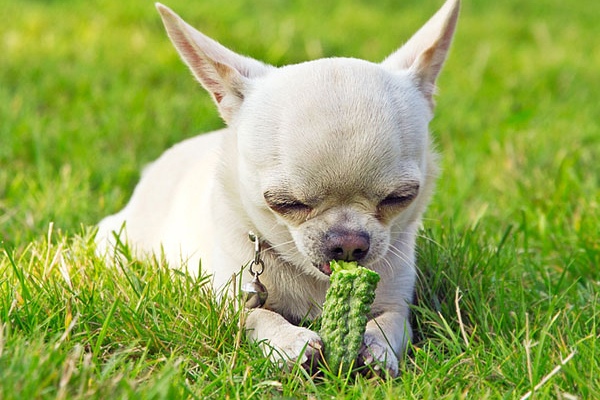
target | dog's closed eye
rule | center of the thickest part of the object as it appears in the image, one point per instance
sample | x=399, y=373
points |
x=400, y=198
x=285, y=204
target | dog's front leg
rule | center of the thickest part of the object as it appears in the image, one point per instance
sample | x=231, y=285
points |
x=282, y=341
x=386, y=337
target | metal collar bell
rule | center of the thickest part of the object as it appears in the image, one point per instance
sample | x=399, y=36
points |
x=254, y=293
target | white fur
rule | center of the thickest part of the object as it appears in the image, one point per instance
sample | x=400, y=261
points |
x=341, y=133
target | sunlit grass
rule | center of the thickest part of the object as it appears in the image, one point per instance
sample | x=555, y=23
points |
x=91, y=91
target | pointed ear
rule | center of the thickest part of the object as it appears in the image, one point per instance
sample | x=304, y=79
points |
x=222, y=72
x=424, y=54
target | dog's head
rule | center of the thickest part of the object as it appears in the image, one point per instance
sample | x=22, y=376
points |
x=333, y=155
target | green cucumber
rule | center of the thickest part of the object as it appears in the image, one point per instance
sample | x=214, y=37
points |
x=345, y=313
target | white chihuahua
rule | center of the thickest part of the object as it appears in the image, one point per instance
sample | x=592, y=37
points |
x=328, y=159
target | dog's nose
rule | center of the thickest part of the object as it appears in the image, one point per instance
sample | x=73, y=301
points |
x=347, y=246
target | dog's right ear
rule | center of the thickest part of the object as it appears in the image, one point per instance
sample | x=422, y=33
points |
x=424, y=54
x=222, y=72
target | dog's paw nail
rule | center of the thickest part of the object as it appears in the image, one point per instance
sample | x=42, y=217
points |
x=315, y=345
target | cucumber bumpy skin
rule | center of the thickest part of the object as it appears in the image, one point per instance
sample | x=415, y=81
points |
x=344, y=317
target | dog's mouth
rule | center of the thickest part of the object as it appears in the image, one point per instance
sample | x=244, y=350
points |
x=324, y=268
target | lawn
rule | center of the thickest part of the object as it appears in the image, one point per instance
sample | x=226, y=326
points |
x=508, y=297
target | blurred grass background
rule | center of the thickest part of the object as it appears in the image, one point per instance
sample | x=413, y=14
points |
x=91, y=91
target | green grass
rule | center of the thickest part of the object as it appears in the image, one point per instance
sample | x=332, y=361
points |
x=90, y=91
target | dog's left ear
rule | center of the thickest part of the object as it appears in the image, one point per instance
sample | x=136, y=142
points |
x=222, y=72
x=424, y=54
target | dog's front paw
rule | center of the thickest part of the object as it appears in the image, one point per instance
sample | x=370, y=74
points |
x=377, y=355
x=296, y=344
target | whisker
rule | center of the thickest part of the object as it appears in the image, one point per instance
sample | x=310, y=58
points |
x=389, y=264
x=280, y=244
x=418, y=235
x=400, y=254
